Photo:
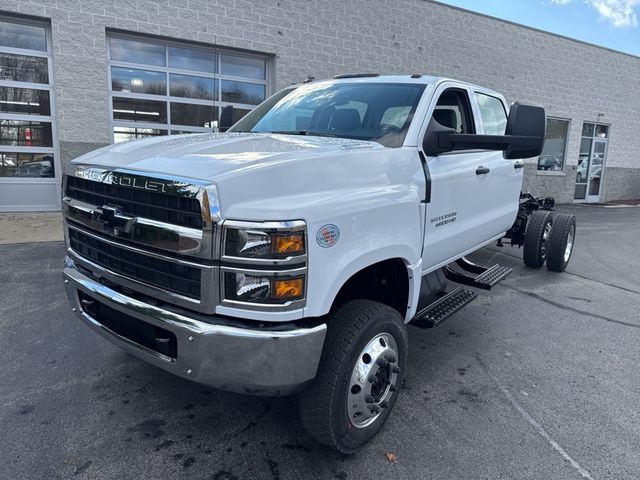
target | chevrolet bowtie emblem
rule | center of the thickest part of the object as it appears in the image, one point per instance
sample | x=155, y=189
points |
x=111, y=219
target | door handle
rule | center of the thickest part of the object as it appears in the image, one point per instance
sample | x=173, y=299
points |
x=482, y=170
x=517, y=165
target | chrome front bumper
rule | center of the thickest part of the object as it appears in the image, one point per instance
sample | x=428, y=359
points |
x=245, y=360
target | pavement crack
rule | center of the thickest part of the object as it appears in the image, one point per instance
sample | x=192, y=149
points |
x=571, y=309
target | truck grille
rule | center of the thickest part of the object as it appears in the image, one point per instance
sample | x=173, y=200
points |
x=173, y=209
x=174, y=277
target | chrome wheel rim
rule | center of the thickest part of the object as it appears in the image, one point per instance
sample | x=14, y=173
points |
x=373, y=380
x=569, y=247
x=545, y=239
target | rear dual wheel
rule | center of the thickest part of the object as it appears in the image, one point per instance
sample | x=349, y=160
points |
x=359, y=375
x=561, y=242
x=549, y=238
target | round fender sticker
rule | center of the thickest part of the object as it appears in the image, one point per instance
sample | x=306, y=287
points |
x=328, y=236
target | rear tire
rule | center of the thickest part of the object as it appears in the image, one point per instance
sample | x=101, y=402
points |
x=561, y=242
x=536, y=238
x=359, y=376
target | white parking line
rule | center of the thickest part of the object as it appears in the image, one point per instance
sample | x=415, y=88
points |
x=544, y=434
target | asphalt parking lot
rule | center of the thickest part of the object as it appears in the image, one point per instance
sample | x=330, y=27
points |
x=536, y=380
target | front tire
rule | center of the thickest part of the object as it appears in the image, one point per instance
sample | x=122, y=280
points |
x=359, y=376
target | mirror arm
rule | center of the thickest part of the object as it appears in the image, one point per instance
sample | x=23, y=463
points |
x=466, y=141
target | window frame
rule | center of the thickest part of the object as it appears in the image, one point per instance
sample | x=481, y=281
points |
x=51, y=118
x=217, y=104
x=561, y=172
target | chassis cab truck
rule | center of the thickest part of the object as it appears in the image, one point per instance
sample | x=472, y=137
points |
x=289, y=254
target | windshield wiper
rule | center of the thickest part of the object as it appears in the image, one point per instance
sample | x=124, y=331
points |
x=301, y=132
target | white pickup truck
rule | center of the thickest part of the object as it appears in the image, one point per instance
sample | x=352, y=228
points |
x=289, y=253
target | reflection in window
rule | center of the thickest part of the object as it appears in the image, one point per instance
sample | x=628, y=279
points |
x=17, y=35
x=492, y=113
x=555, y=140
x=138, y=81
x=602, y=131
x=243, y=67
x=396, y=116
x=18, y=164
x=24, y=100
x=195, y=115
x=138, y=110
x=241, y=92
x=192, y=87
x=587, y=129
x=25, y=133
x=191, y=59
x=22, y=68
x=134, y=51
x=123, y=134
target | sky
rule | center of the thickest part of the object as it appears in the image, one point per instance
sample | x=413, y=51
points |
x=613, y=24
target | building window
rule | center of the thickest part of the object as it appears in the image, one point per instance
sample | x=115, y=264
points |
x=163, y=87
x=27, y=137
x=555, y=142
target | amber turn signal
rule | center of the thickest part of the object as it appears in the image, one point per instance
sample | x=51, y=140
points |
x=292, y=243
x=290, y=288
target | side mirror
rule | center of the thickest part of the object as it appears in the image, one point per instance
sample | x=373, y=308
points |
x=226, y=118
x=523, y=138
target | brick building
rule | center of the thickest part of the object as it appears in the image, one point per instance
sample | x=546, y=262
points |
x=79, y=74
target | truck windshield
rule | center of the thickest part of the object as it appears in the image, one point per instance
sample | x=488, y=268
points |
x=381, y=112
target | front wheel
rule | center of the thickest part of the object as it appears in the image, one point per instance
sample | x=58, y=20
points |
x=359, y=376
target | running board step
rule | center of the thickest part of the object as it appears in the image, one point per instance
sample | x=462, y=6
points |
x=443, y=308
x=486, y=279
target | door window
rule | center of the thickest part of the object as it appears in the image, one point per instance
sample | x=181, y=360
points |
x=492, y=114
x=453, y=110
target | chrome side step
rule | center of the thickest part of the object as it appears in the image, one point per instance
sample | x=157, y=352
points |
x=485, y=277
x=443, y=308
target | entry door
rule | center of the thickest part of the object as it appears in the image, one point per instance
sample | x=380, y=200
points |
x=590, y=170
x=461, y=189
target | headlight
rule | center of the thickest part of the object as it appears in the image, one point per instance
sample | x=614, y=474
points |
x=264, y=264
x=260, y=288
x=268, y=240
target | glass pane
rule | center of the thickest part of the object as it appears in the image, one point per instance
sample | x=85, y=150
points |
x=136, y=110
x=192, y=87
x=122, y=134
x=555, y=139
x=240, y=92
x=21, y=68
x=581, y=191
x=243, y=67
x=24, y=100
x=602, y=131
x=585, y=146
x=14, y=164
x=124, y=50
x=190, y=59
x=582, y=169
x=17, y=35
x=492, y=114
x=196, y=115
x=25, y=133
x=138, y=81
x=587, y=129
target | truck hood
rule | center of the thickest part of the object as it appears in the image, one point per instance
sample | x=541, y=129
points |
x=216, y=156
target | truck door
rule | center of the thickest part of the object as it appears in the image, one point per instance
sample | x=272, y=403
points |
x=504, y=178
x=461, y=192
